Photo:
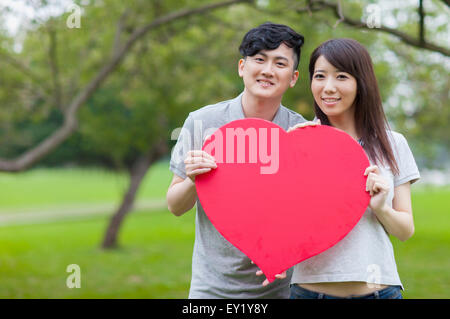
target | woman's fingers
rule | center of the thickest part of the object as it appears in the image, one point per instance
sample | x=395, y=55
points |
x=266, y=281
x=380, y=187
x=376, y=183
x=372, y=169
x=304, y=124
x=281, y=276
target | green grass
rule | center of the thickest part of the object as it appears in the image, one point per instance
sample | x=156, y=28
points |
x=154, y=260
x=63, y=186
x=423, y=261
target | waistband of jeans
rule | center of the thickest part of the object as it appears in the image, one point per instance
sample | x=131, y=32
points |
x=320, y=295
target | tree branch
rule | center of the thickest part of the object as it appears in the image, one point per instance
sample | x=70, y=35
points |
x=25, y=70
x=53, y=60
x=421, y=23
x=340, y=14
x=119, y=30
x=361, y=25
x=70, y=123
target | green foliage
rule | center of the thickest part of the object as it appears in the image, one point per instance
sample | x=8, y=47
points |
x=189, y=63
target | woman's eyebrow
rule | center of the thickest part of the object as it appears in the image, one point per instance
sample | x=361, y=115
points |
x=323, y=71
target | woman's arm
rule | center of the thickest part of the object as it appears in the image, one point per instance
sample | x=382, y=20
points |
x=398, y=219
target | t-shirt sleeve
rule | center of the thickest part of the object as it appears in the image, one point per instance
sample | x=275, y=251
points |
x=185, y=143
x=408, y=171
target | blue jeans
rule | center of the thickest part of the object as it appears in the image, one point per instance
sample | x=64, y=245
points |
x=391, y=292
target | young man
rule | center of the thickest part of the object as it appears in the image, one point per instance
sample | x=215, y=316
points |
x=271, y=54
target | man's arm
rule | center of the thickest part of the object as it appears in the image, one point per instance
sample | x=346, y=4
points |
x=182, y=195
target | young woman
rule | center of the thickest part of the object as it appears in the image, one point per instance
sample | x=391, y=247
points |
x=361, y=265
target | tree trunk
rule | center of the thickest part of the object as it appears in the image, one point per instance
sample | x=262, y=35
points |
x=137, y=173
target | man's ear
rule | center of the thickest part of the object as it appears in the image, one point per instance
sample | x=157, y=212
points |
x=241, y=67
x=294, y=78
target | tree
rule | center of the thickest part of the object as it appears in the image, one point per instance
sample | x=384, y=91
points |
x=117, y=92
x=419, y=41
x=145, y=151
x=119, y=50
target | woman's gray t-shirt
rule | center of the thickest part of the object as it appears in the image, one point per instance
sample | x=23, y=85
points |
x=366, y=253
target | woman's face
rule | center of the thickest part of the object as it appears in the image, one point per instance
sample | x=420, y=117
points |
x=334, y=91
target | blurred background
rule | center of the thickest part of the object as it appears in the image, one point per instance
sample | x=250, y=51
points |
x=92, y=96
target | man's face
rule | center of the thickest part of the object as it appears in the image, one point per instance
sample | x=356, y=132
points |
x=269, y=73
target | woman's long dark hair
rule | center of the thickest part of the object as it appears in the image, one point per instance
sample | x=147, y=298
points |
x=350, y=56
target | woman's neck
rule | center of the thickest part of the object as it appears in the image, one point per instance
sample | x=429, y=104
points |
x=347, y=125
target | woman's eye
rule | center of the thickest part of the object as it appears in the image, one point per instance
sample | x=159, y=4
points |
x=342, y=76
x=318, y=76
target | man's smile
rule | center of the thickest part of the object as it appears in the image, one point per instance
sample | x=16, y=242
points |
x=265, y=83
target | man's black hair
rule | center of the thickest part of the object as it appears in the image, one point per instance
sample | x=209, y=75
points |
x=269, y=36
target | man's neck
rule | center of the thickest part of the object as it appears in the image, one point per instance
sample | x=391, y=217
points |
x=259, y=108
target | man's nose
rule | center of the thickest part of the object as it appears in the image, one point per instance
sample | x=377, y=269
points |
x=268, y=69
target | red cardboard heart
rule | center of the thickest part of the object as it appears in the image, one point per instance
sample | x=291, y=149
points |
x=279, y=197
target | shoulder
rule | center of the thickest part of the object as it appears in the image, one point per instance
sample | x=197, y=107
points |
x=395, y=136
x=212, y=110
x=397, y=140
x=293, y=117
x=408, y=170
x=291, y=112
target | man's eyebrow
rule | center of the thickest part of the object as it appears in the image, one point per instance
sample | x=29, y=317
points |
x=276, y=58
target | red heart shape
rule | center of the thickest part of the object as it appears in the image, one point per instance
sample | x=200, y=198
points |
x=279, y=197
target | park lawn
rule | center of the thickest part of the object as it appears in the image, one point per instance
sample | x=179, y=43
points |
x=156, y=248
x=47, y=187
x=154, y=260
x=423, y=261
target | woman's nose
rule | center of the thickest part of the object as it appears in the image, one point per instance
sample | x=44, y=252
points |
x=330, y=86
